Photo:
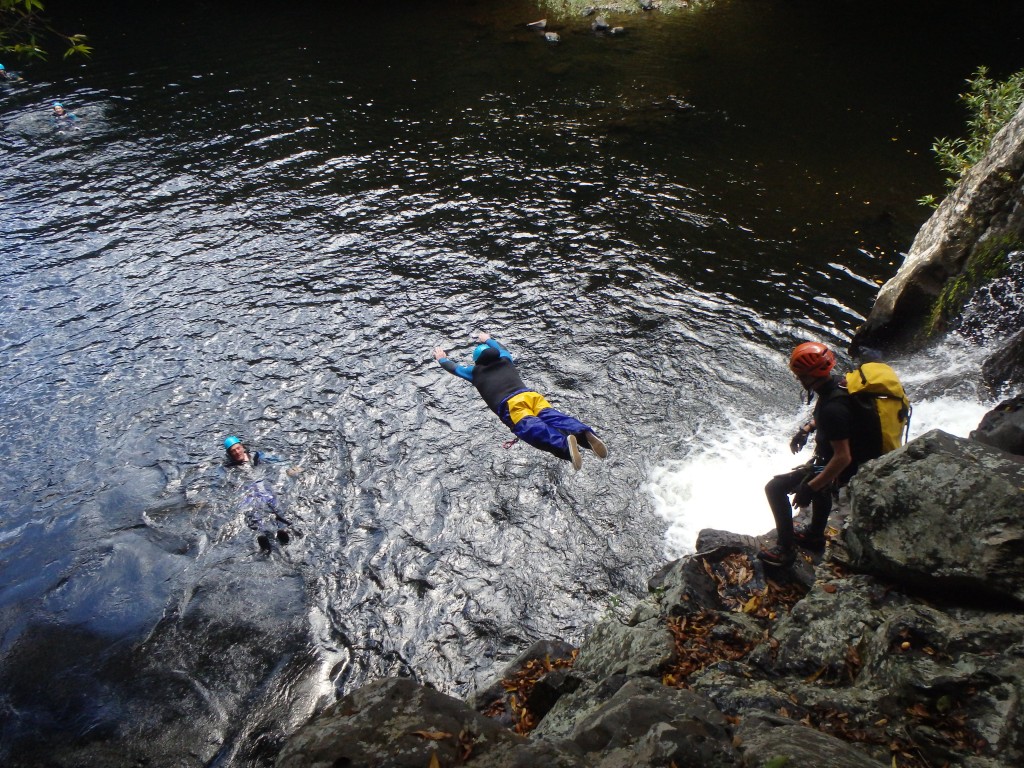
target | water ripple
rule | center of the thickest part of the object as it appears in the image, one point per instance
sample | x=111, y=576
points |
x=272, y=249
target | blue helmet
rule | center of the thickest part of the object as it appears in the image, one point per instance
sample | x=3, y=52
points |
x=2, y=66
x=480, y=349
x=230, y=441
x=57, y=104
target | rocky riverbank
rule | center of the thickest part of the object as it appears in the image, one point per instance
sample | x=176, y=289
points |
x=902, y=645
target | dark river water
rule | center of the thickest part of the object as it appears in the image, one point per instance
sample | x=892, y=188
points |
x=267, y=218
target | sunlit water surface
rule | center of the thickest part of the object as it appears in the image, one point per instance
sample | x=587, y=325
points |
x=262, y=226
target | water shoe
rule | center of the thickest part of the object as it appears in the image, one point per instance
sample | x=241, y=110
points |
x=574, y=452
x=777, y=556
x=808, y=539
x=596, y=444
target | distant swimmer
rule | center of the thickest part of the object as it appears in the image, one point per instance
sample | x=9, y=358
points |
x=9, y=77
x=527, y=413
x=258, y=503
x=62, y=118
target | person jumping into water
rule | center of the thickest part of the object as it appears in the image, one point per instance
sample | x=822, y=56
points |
x=527, y=413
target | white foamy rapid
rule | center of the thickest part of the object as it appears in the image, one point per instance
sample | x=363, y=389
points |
x=720, y=483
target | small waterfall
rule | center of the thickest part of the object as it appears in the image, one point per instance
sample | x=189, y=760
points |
x=719, y=483
x=996, y=311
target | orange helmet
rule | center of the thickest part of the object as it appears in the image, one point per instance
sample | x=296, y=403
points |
x=812, y=359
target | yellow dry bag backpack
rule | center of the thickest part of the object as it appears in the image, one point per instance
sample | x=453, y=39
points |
x=878, y=384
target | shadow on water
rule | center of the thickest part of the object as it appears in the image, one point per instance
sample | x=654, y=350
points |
x=267, y=222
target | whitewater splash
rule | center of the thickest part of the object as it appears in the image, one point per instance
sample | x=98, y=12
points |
x=720, y=483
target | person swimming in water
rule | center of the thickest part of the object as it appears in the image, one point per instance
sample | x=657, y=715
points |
x=258, y=503
x=61, y=117
x=7, y=76
x=527, y=413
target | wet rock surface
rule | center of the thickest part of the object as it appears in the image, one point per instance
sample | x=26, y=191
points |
x=903, y=645
x=1003, y=426
x=982, y=211
x=395, y=723
x=944, y=513
x=1005, y=365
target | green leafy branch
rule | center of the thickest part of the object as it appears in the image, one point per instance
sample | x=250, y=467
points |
x=990, y=105
x=23, y=26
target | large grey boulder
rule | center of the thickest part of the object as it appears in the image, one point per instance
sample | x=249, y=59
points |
x=986, y=208
x=774, y=740
x=617, y=649
x=816, y=637
x=613, y=654
x=1003, y=426
x=646, y=724
x=943, y=514
x=868, y=664
x=396, y=723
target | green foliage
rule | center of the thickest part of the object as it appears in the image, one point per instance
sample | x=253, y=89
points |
x=576, y=7
x=987, y=262
x=990, y=105
x=565, y=7
x=77, y=46
x=22, y=27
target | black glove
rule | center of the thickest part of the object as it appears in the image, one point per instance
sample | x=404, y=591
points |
x=803, y=495
x=799, y=440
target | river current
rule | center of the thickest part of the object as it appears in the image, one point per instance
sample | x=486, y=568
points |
x=262, y=223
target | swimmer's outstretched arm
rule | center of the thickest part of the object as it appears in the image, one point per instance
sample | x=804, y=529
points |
x=462, y=371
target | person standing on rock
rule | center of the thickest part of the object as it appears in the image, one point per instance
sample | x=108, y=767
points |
x=844, y=439
x=527, y=413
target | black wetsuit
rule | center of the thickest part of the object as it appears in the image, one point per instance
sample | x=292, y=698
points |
x=837, y=416
x=497, y=382
x=257, y=501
